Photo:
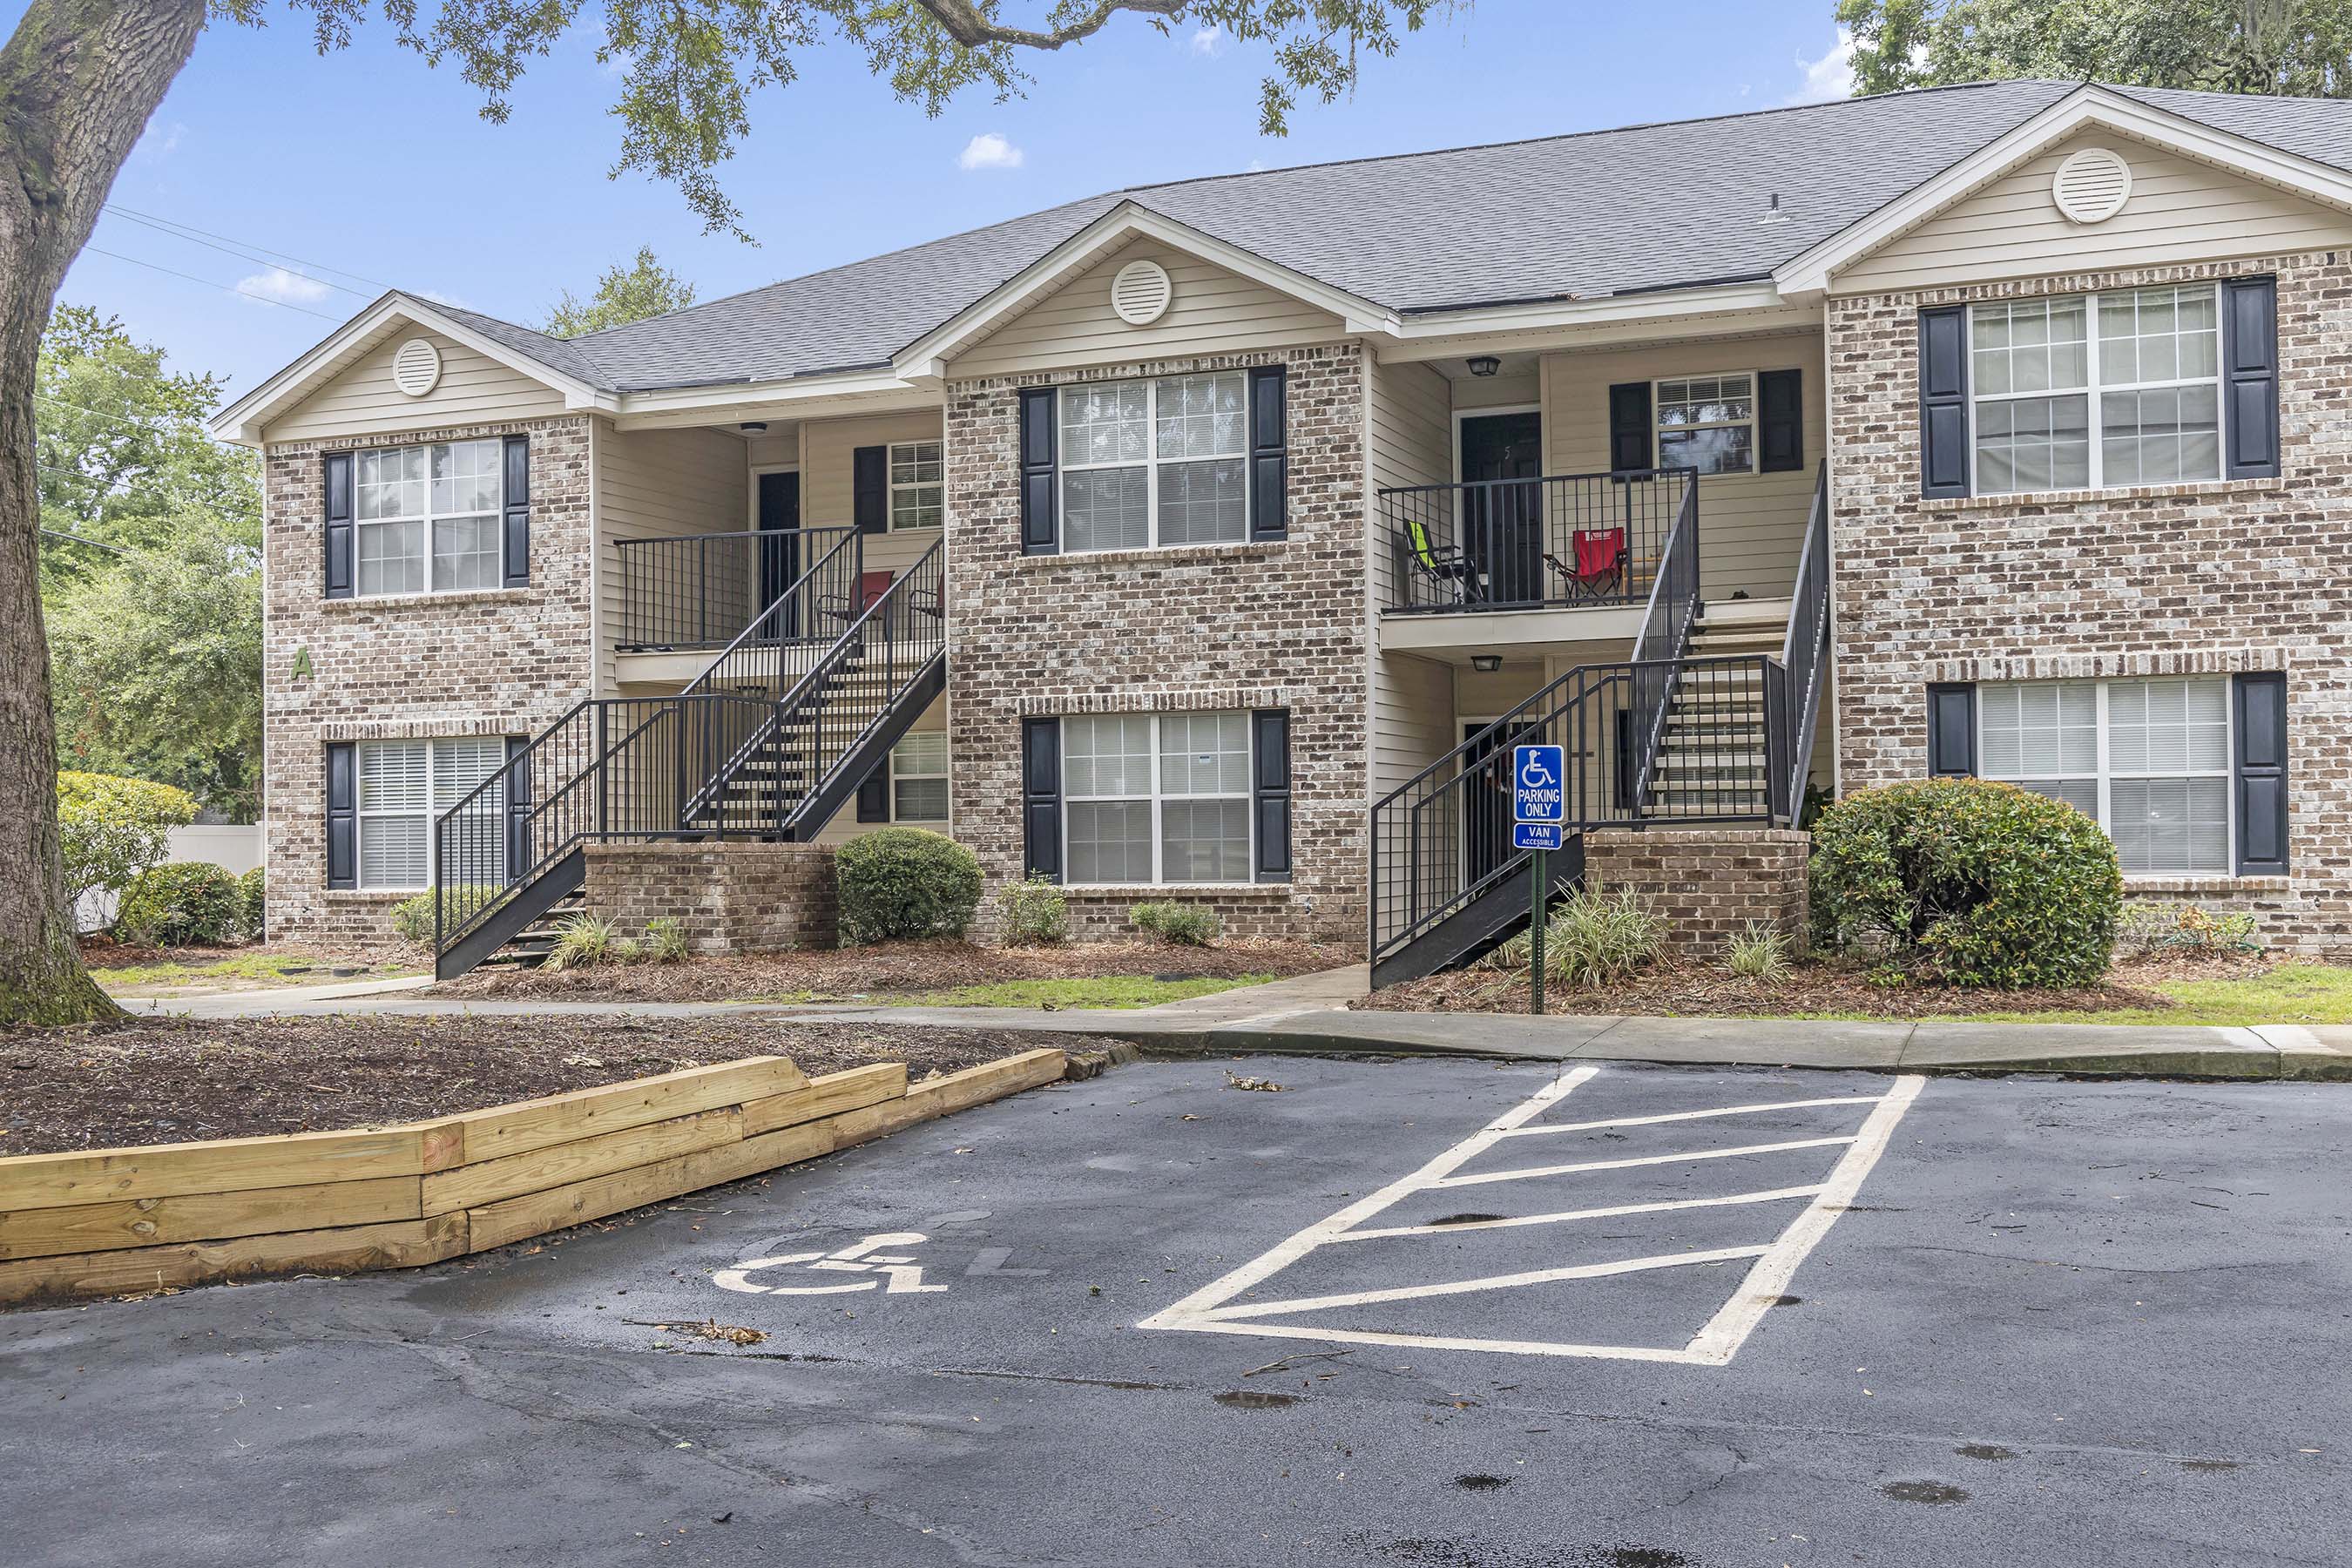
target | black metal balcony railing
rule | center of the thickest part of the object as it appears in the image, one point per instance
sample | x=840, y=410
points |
x=1562, y=541
x=699, y=589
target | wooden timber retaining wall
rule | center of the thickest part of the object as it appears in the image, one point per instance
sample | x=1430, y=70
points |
x=111, y=1222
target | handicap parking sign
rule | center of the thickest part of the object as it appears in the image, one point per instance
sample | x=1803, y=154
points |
x=1538, y=794
x=1536, y=835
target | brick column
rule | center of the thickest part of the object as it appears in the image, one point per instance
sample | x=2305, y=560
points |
x=1707, y=883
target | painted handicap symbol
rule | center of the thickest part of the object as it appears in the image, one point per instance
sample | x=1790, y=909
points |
x=897, y=1274
x=1533, y=774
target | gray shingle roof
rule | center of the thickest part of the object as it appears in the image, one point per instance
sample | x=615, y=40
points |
x=1607, y=212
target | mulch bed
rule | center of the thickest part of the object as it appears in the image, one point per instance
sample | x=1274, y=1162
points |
x=900, y=968
x=160, y=1080
x=1710, y=990
x=101, y=953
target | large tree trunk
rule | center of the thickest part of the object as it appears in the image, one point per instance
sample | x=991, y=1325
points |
x=76, y=84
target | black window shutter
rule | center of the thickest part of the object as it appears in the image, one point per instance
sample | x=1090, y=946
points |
x=1269, y=453
x=1952, y=731
x=342, y=814
x=1629, y=426
x=1041, y=798
x=1779, y=421
x=874, y=793
x=518, y=786
x=2260, y=769
x=341, y=552
x=1270, y=792
x=2250, y=351
x=1041, y=533
x=517, y=518
x=1944, y=401
x=869, y=489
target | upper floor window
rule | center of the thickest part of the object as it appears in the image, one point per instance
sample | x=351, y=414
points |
x=1707, y=423
x=2095, y=390
x=917, y=488
x=1155, y=462
x=426, y=517
x=2146, y=759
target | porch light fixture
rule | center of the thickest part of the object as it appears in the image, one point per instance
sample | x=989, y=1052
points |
x=753, y=428
x=1485, y=663
x=1486, y=365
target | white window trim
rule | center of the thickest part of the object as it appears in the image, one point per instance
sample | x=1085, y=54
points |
x=1659, y=430
x=890, y=504
x=2091, y=390
x=1151, y=464
x=947, y=773
x=2106, y=777
x=1159, y=797
x=428, y=517
x=436, y=805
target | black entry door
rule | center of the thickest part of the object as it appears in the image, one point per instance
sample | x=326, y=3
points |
x=1486, y=801
x=1503, y=522
x=780, y=542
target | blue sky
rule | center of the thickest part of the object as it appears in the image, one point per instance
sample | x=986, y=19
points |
x=369, y=162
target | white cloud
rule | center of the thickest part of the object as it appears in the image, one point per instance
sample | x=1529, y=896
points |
x=1829, y=77
x=159, y=140
x=286, y=287
x=439, y=297
x=990, y=151
x=1209, y=41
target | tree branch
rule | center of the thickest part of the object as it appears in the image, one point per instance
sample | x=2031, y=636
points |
x=963, y=21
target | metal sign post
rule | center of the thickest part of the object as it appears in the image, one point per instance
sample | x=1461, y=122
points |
x=1539, y=813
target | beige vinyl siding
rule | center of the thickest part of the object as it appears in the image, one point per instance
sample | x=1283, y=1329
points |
x=652, y=484
x=2180, y=210
x=1750, y=526
x=1520, y=391
x=845, y=825
x=1410, y=410
x=1213, y=312
x=828, y=448
x=474, y=389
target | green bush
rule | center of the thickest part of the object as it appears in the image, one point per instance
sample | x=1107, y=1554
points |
x=252, y=893
x=901, y=882
x=1186, y=925
x=194, y=903
x=665, y=939
x=1968, y=881
x=111, y=829
x=1035, y=911
x=411, y=919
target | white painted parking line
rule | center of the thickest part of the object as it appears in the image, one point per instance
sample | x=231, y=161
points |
x=1215, y=1308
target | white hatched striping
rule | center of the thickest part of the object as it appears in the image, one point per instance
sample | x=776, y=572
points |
x=1689, y=1115
x=1483, y=1177
x=1770, y=1195
x=1491, y=1282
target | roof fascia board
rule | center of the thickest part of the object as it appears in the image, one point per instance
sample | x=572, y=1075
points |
x=243, y=422
x=1808, y=274
x=1680, y=312
x=927, y=356
x=801, y=397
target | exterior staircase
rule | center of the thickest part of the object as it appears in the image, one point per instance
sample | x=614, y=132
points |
x=1713, y=759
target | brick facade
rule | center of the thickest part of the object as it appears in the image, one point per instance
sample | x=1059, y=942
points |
x=492, y=662
x=2182, y=579
x=1278, y=623
x=1708, y=884
x=732, y=898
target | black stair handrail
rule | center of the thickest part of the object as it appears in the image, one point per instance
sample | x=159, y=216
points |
x=1664, y=637
x=684, y=590
x=790, y=634
x=1805, y=651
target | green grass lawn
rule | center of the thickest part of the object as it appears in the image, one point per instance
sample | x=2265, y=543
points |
x=246, y=968
x=1124, y=991
x=2291, y=994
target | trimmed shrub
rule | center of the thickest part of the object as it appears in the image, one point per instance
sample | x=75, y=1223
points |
x=1035, y=911
x=1186, y=925
x=1968, y=881
x=901, y=882
x=194, y=903
x=665, y=939
x=253, y=892
x=111, y=829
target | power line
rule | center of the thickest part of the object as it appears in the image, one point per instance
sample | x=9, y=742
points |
x=259, y=259
x=173, y=223
x=78, y=539
x=148, y=422
x=225, y=288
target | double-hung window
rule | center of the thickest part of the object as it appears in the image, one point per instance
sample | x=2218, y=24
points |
x=426, y=517
x=2146, y=759
x=917, y=488
x=1157, y=798
x=1155, y=462
x=405, y=787
x=1707, y=423
x=2097, y=389
x=919, y=777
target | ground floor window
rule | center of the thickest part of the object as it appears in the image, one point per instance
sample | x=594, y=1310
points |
x=405, y=787
x=2147, y=760
x=918, y=778
x=1157, y=798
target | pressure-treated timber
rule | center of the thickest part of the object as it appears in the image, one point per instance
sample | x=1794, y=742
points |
x=583, y=1113
x=226, y=1166
x=477, y=1182
x=495, y=1224
x=205, y=1217
x=835, y=1092
x=344, y=1250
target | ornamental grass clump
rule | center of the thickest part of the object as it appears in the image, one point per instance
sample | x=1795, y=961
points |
x=1967, y=882
x=1592, y=939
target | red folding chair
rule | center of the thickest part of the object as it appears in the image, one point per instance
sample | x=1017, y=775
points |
x=1600, y=560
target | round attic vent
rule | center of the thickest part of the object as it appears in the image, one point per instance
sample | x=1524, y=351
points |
x=416, y=368
x=1142, y=292
x=2092, y=186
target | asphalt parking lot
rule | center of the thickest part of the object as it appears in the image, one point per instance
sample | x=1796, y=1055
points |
x=1424, y=1313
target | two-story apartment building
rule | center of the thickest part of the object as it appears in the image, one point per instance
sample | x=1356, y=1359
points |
x=1212, y=541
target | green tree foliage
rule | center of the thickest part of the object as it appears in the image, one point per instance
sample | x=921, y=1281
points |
x=636, y=292
x=115, y=830
x=2300, y=49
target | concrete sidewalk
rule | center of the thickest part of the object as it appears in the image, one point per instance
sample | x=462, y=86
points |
x=1309, y=1014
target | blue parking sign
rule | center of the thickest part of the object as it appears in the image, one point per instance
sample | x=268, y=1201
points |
x=1538, y=793
x=1536, y=835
